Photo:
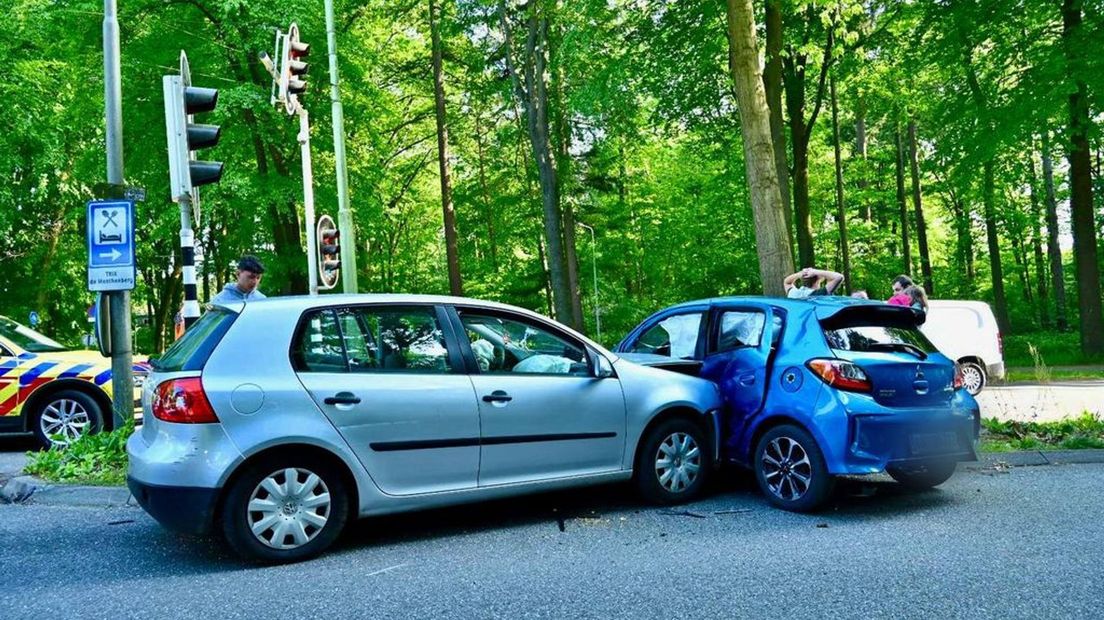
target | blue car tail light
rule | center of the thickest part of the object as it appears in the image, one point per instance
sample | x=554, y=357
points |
x=841, y=375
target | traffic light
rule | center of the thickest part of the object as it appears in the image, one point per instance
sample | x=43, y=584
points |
x=293, y=69
x=182, y=101
x=329, y=253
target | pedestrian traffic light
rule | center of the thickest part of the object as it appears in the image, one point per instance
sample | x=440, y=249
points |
x=293, y=69
x=329, y=253
x=182, y=101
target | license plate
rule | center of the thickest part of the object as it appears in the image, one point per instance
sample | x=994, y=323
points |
x=933, y=443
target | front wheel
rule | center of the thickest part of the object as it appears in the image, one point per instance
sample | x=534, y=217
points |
x=790, y=469
x=285, y=510
x=922, y=477
x=673, y=462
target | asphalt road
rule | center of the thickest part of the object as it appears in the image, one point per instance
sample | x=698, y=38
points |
x=1023, y=543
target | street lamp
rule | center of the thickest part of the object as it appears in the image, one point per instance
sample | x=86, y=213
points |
x=594, y=264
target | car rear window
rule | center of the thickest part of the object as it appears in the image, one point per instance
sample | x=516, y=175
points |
x=880, y=338
x=195, y=346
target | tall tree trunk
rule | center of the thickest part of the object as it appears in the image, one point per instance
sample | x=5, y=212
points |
x=1019, y=254
x=1037, y=243
x=841, y=213
x=772, y=240
x=921, y=227
x=1081, y=190
x=964, y=243
x=772, y=81
x=860, y=152
x=902, y=207
x=488, y=209
x=534, y=97
x=1054, y=251
x=999, y=301
x=794, y=65
x=452, y=249
x=563, y=161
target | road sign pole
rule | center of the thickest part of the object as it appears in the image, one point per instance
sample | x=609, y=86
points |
x=308, y=199
x=122, y=378
x=344, y=213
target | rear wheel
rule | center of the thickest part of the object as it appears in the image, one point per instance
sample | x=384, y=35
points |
x=285, y=510
x=673, y=462
x=790, y=469
x=973, y=377
x=921, y=477
x=65, y=417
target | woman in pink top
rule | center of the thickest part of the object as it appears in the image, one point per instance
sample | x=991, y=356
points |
x=900, y=298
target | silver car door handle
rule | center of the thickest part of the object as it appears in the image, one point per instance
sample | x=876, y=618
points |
x=497, y=396
x=342, y=398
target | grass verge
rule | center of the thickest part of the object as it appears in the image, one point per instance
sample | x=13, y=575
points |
x=99, y=460
x=1083, y=432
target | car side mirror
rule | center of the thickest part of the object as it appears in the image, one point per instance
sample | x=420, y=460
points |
x=603, y=369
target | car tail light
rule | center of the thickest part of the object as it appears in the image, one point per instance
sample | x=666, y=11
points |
x=183, y=401
x=1000, y=343
x=959, y=380
x=842, y=375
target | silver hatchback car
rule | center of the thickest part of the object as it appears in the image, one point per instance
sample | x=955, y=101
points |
x=279, y=421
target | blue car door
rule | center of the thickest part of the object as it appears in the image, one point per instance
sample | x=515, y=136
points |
x=737, y=352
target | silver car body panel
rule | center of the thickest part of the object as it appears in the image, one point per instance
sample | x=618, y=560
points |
x=261, y=403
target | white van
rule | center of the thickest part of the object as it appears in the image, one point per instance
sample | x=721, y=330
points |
x=967, y=332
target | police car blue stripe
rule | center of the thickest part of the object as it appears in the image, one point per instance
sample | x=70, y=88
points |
x=7, y=367
x=75, y=371
x=102, y=378
x=27, y=355
x=28, y=377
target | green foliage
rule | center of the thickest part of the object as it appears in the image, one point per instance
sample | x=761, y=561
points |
x=1054, y=349
x=648, y=136
x=1083, y=432
x=98, y=459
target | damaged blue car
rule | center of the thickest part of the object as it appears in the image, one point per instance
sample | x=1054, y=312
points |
x=819, y=388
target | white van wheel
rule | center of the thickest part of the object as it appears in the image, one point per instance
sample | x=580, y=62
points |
x=973, y=377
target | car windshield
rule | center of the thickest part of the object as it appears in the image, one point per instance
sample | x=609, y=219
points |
x=28, y=339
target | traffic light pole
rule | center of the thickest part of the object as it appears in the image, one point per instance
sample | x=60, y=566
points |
x=308, y=199
x=187, y=269
x=122, y=377
x=344, y=214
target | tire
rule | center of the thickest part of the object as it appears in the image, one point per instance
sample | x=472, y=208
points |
x=310, y=517
x=922, y=477
x=790, y=469
x=64, y=417
x=673, y=462
x=973, y=377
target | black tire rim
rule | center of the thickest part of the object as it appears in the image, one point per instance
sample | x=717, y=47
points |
x=786, y=469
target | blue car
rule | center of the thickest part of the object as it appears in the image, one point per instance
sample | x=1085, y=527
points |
x=819, y=388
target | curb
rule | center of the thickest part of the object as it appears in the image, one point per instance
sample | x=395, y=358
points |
x=1029, y=458
x=30, y=490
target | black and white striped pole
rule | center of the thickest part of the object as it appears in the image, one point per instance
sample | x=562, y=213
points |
x=186, y=175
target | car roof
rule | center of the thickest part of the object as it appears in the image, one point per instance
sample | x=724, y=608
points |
x=306, y=302
x=825, y=306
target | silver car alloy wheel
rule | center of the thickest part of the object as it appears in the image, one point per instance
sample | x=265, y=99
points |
x=678, y=462
x=64, y=421
x=972, y=379
x=289, y=508
x=787, y=469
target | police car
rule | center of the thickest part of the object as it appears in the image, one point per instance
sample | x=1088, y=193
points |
x=55, y=393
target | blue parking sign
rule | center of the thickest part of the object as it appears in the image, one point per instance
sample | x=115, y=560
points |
x=110, y=245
